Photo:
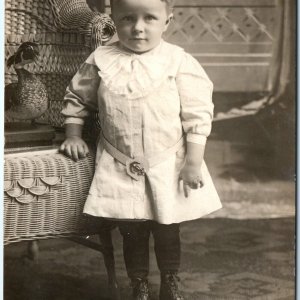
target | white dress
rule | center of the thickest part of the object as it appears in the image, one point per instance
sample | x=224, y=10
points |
x=146, y=103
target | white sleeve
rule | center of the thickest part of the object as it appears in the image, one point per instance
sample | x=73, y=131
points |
x=195, y=90
x=81, y=94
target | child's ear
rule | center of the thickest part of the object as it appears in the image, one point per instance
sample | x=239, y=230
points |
x=171, y=16
x=168, y=21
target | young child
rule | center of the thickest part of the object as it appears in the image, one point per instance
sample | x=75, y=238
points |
x=155, y=109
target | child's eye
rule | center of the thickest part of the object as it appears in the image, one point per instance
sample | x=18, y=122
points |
x=128, y=18
x=150, y=18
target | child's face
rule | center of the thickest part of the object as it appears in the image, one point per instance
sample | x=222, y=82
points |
x=140, y=23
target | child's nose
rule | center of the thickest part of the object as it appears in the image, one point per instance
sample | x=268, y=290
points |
x=138, y=26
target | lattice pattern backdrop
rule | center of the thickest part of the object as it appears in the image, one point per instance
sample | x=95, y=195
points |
x=232, y=41
x=221, y=25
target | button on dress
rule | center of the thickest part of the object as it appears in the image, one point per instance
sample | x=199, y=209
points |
x=146, y=103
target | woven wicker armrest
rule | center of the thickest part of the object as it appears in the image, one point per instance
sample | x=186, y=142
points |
x=44, y=194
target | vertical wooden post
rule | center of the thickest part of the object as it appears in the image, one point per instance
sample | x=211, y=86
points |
x=101, y=5
x=98, y=5
x=33, y=250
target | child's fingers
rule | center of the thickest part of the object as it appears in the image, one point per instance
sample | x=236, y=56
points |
x=86, y=149
x=74, y=153
x=186, y=189
x=62, y=147
x=67, y=150
x=81, y=151
x=202, y=183
x=197, y=182
x=194, y=184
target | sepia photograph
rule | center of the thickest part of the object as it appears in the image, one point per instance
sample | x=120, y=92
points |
x=149, y=150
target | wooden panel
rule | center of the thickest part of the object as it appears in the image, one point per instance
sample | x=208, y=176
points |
x=97, y=5
x=232, y=60
x=227, y=48
x=246, y=77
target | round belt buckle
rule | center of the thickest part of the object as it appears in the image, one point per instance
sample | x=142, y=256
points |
x=136, y=167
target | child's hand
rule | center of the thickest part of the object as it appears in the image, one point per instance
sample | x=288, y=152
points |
x=190, y=174
x=74, y=147
x=191, y=177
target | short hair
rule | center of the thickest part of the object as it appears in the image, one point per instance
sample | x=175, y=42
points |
x=170, y=3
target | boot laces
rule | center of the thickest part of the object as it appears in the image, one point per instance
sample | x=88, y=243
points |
x=140, y=287
x=172, y=280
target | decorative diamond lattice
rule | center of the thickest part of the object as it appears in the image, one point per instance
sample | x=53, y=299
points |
x=222, y=24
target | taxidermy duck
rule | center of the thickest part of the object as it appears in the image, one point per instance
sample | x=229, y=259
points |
x=27, y=99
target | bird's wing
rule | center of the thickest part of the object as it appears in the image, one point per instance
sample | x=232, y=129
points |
x=9, y=96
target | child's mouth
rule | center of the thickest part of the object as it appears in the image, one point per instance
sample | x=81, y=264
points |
x=138, y=39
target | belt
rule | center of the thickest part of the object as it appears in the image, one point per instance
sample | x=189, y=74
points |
x=139, y=166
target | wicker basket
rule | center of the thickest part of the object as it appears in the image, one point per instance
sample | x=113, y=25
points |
x=43, y=197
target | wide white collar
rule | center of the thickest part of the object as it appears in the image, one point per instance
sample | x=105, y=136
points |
x=136, y=75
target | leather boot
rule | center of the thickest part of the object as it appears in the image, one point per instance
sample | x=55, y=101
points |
x=169, y=287
x=140, y=289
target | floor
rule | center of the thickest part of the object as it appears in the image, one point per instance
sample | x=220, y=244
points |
x=243, y=251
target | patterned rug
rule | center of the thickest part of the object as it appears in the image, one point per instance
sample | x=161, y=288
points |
x=221, y=259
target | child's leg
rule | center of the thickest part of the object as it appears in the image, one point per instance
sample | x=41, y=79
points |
x=167, y=250
x=167, y=246
x=136, y=255
x=136, y=248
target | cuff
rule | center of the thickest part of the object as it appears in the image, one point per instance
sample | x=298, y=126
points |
x=72, y=120
x=196, y=138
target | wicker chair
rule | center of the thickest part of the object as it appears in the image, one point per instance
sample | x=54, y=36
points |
x=43, y=197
